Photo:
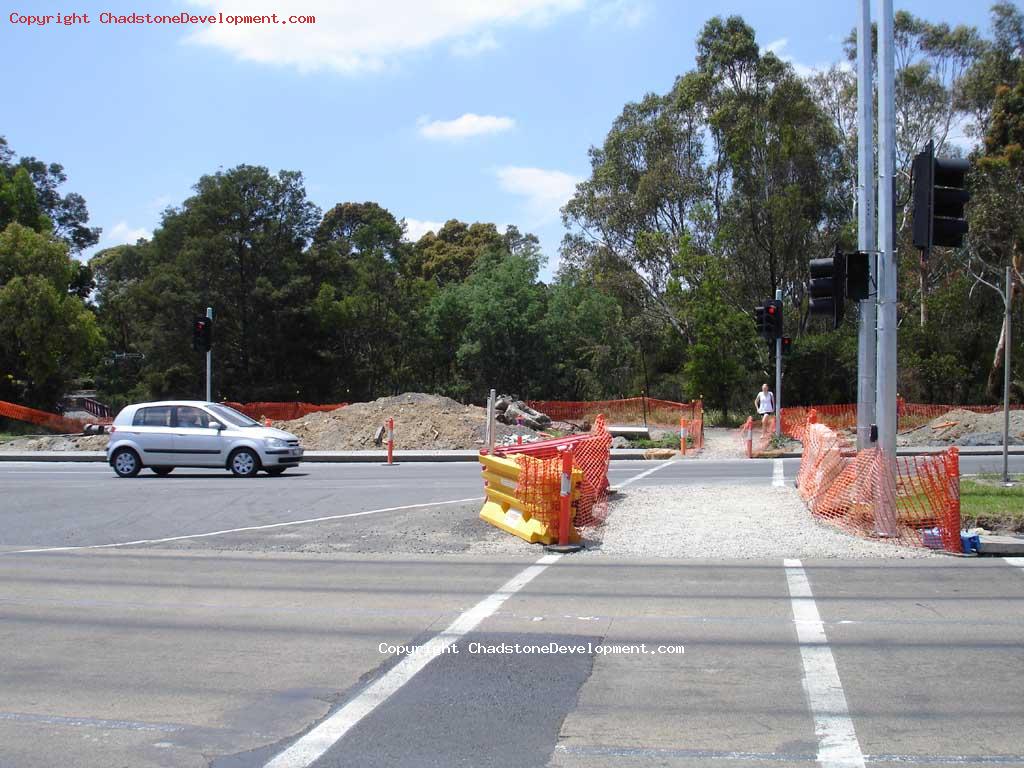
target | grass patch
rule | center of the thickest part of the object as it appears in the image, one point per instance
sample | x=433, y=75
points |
x=985, y=503
x=670, y=441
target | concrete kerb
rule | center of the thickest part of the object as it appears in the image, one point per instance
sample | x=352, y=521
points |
x=326, y=457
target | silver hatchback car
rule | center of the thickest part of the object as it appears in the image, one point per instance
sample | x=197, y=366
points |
x=191, y=433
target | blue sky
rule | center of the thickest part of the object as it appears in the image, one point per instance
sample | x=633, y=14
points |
x=481, y=110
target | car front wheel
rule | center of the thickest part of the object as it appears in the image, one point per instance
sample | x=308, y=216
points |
x=244, y=463
x=126, y=462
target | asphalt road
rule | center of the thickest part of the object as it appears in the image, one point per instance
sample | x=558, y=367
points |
x=285, y=645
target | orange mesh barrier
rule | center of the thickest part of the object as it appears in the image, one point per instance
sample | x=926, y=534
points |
x=540, y=486
x=45, y=419
x=857, y=493
x=844, y=417
x=280, y=411
x=633, y=410
x=591, y=452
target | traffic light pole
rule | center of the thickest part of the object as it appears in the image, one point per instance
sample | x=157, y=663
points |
x=886, y=375
x=209, y=361
x=865, y=229
x=778, y=376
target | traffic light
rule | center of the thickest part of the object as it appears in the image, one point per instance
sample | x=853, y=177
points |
x=940, y=194
x=827, y=287
x=858, y=276
x=787, y=345
x=774, y=310
x=761, y=322
x=202, y=334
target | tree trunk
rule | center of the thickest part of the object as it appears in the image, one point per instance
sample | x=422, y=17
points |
x=995, y=376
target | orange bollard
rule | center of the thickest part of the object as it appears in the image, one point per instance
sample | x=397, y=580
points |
x=749, y=429
x=566, y=499
x=682, y=436
x=391, y=441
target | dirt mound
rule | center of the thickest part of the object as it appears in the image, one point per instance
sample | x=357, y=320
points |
x=962, y=427
x=422, y=422
x=57, y=443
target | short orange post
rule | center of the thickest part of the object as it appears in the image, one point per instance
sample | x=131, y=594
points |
x=682, y=436
x=565, y=506
x=391, y=440
x=749, y=429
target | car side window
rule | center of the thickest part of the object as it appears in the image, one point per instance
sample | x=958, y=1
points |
x=191, y=418
x=155, y=416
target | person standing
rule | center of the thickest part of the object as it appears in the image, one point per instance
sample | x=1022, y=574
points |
x=765, y=404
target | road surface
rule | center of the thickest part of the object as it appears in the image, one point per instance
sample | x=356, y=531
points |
x=286, y=645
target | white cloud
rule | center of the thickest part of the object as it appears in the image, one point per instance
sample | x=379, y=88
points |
x=469, y=47
x=545, y=191
x=121, y=233
x=626, y=13
x=352, y=37
x=464, y=126
x=416, y=228
x=778, y=46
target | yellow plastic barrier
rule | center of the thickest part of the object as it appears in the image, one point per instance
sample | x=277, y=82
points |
x=505, y=510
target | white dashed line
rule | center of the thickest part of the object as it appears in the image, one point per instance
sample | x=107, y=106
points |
x=778, y=474
x=837, y=740
x=311, y=747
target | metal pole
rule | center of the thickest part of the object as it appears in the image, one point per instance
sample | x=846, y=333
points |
x=885, y=395
x=209, y=362
x=492, y=437
x=778, y=376
x=1006, y=378
x=865, y=228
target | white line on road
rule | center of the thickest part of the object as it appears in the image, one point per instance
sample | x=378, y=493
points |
x=314, y=744
x=644, y=474
x=778, y=474
x=268, y=526
x=837, y=740
x=1017, y=561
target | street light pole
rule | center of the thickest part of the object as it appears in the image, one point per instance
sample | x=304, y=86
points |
x=778, y=376
x=1006, y=376
x=865, y=228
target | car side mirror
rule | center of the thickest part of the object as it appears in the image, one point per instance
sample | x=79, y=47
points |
x=216, y=425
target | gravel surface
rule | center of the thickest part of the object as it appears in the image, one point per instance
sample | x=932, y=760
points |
x=722, y=443
x=728, y=522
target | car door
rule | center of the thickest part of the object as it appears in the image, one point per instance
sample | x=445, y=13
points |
x=195, y=442
x=153, y=434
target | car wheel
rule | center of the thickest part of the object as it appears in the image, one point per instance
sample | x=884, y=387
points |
x=162, y=471
x=244, y=463
x=275, y=471
x=125, y=462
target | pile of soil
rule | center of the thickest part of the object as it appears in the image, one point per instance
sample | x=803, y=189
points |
x=962, y=427
x=57, y=443
x=422, y=422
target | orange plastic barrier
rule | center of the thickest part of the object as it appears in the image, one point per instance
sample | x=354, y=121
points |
x=920, y=506
x=45, y=419
x=591, y=452
x=280, y=411
x=844, y=417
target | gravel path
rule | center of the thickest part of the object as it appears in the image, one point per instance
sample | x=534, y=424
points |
x=728, y=522
x=722, y=443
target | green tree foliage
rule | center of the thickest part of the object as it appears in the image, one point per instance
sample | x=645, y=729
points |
x=46, y=333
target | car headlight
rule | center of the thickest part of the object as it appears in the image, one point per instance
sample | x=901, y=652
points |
x=276, y=442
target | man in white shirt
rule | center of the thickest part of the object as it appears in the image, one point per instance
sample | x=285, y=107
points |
x=765, y=404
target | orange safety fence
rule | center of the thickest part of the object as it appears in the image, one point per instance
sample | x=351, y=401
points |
x=632, y=410
x=913, y=501
x=591, y=452
x=45, y=419
x=285, y=411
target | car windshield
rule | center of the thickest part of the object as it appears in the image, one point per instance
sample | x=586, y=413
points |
x=233, y=417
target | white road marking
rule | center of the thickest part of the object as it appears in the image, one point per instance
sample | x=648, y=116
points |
x=1017, y=561
x=644, y=474
x=778, y=474
x=268, y=526
x=314, y=744
x=837, y=740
